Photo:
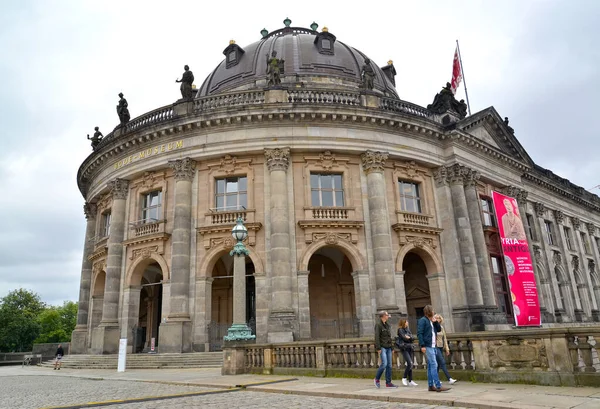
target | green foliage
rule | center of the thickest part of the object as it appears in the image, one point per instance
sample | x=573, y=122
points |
x=24, y=318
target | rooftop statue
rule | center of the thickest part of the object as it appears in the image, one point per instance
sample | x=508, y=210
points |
x=510, y=129
x=274, y=69
x=444, y=101
x=122, y=110
x=96, y=139
x=368, y=75
x=186, y=83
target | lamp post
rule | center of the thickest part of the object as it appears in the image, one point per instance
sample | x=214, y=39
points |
x=239, y=330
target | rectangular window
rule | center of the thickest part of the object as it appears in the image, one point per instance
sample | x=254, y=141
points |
x=586, y=243
x=326, y=190
x=501, y=284
x=549, y=232
x=568, y=238
x=410, y=197
x=487, y=209
x=530, y=226
x=151, y=206
x=231, y=193
x=105, y=228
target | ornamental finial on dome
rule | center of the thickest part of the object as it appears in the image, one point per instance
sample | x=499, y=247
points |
x=231, y=42
x=314, y=26
x=287, y=22
x=325, y=30
x=264, y=33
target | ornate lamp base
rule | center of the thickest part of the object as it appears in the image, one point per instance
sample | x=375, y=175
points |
x=239, y=332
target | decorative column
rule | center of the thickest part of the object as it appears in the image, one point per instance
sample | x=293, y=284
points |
x=282, y=320
x=303, y=304
x=481, y=251
x=108, y=330
x=401, y=292
x=364, y=310
x=175, y=335
x=594, y=284
x=456, y=177
x=79, y=335
x=130, y=315
x=373, y=163
x=239, y=330
x=577, y=286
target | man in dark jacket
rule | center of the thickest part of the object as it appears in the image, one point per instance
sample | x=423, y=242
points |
x=383, y=346
x=426, y=332
x=58, y=357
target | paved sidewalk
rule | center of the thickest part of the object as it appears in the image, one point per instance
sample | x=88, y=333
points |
x=463, y=394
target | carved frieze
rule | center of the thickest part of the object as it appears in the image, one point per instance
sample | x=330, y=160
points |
x=143, y=253
x=225, y=242
x=217, y=235
x=576, y=223
x=277, y=159
x=327, y=160
x=559, y=216
x=90, y=210
x=119, y=188
x=418, y=241
x=517, y=353
x=373, y=161
x=540, y=209
x=332, y=238
x=183, y=169
x=104, y=202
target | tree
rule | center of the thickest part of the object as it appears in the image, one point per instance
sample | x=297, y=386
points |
x=57, y=323
x=19, y=325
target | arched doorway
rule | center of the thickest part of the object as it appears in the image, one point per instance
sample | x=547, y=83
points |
x=222, y=300
x=416, y=286
x=149, y=310
x=331, y=295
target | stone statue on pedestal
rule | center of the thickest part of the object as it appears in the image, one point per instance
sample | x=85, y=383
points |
x=96, y=139
x=122, y=110
x=274, y=69
x=367, y=75
x=444, y=101
x=186, y=83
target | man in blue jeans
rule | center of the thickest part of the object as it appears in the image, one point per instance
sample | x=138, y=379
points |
x=427, y=327
x=383, y=346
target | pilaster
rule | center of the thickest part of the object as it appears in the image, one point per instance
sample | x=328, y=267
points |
x=364, y=311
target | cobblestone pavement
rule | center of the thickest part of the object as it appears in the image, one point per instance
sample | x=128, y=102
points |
x=31, y=392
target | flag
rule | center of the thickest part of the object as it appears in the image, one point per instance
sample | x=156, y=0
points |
x=457, y=75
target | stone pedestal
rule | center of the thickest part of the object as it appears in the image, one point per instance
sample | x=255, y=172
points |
x=174, y=336
x=276, y=95
x=234, y=362
x=595, y=316
x=105, y=339
x=183, y=108
x=79, y=340
x=369, y=100
x=282, y=326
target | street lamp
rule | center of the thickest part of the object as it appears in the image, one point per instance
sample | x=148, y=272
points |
x=239, y=330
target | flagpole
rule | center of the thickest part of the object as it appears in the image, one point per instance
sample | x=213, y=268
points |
x=463, y=75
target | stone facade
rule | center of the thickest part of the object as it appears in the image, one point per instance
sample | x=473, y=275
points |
x=352, y=205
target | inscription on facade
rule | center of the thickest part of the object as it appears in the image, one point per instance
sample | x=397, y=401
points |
x=165, y=147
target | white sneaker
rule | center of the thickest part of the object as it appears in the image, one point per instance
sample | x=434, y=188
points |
x=404, y=382
x=452, y=381
x=413, y=383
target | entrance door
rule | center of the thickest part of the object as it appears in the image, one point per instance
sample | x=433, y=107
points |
x=416, y=286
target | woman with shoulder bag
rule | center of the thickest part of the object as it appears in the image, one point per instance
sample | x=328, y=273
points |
x=404, y=342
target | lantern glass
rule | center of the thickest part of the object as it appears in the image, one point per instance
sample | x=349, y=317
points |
x=239, y=231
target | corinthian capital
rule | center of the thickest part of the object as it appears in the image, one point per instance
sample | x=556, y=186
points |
x=559, y=216
x=576, y=223
x=119, y=188
x=540, y=209
x=90, y=209
x=470, y=177
x=373, y=161
x=511, y=191
x=183, y=169
x=591, y=228
x=278, y=159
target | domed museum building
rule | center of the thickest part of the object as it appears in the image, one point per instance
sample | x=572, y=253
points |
x=354, y=201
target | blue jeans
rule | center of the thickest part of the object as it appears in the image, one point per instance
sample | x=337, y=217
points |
x=386, y=363
x=441, y=362
x=432, y=368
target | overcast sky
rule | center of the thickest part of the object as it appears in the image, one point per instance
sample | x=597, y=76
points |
x=62, y=64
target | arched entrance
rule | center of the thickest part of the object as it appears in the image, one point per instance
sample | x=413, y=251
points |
x=150, y=309
x=416, y=286
x=222, y=300
x=331, y=295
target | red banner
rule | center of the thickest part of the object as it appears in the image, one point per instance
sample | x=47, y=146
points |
x=517, y=259
x=457, y=75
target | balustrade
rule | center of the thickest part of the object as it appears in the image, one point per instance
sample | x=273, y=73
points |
x=229, y=100
x=413, y=218
x=323, y=97
x=396, y=105
x=330, y=212
x=227, y=217
x=145, y=229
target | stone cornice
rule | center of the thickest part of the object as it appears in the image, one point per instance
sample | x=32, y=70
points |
x=331, y=224
x=98, y=254
x=415, y=228
x=226, y=228
x=147, y=239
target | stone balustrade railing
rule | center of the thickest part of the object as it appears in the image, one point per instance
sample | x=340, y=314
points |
x=549, y=356
x=330, y=212
x=145, y=229
x=229, y=100
x=413, y=218
x=397, y=105
x=323, y=97
x=227, y=217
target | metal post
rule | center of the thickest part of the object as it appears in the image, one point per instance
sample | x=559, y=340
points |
x=463, y=75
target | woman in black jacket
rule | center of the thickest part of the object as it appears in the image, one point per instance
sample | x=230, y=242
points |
x=404, y=342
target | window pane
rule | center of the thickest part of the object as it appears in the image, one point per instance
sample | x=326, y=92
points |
x=220, y=185
x=418, y=204
x=314, y=198
x=154, y=199
x=327, y=198
x=484, y=205
x=153, y=214
x=243, y=184
x=232, y=185
x=326, y=182
x=314, y=181
x=410, y=205
x=339, y=198
x=495, y=265
x=220, y=202
x=243, y=200
x=231, y=202
x=326, y=44
x=337, y=181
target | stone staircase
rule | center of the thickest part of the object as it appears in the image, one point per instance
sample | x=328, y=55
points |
x=143, y=361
